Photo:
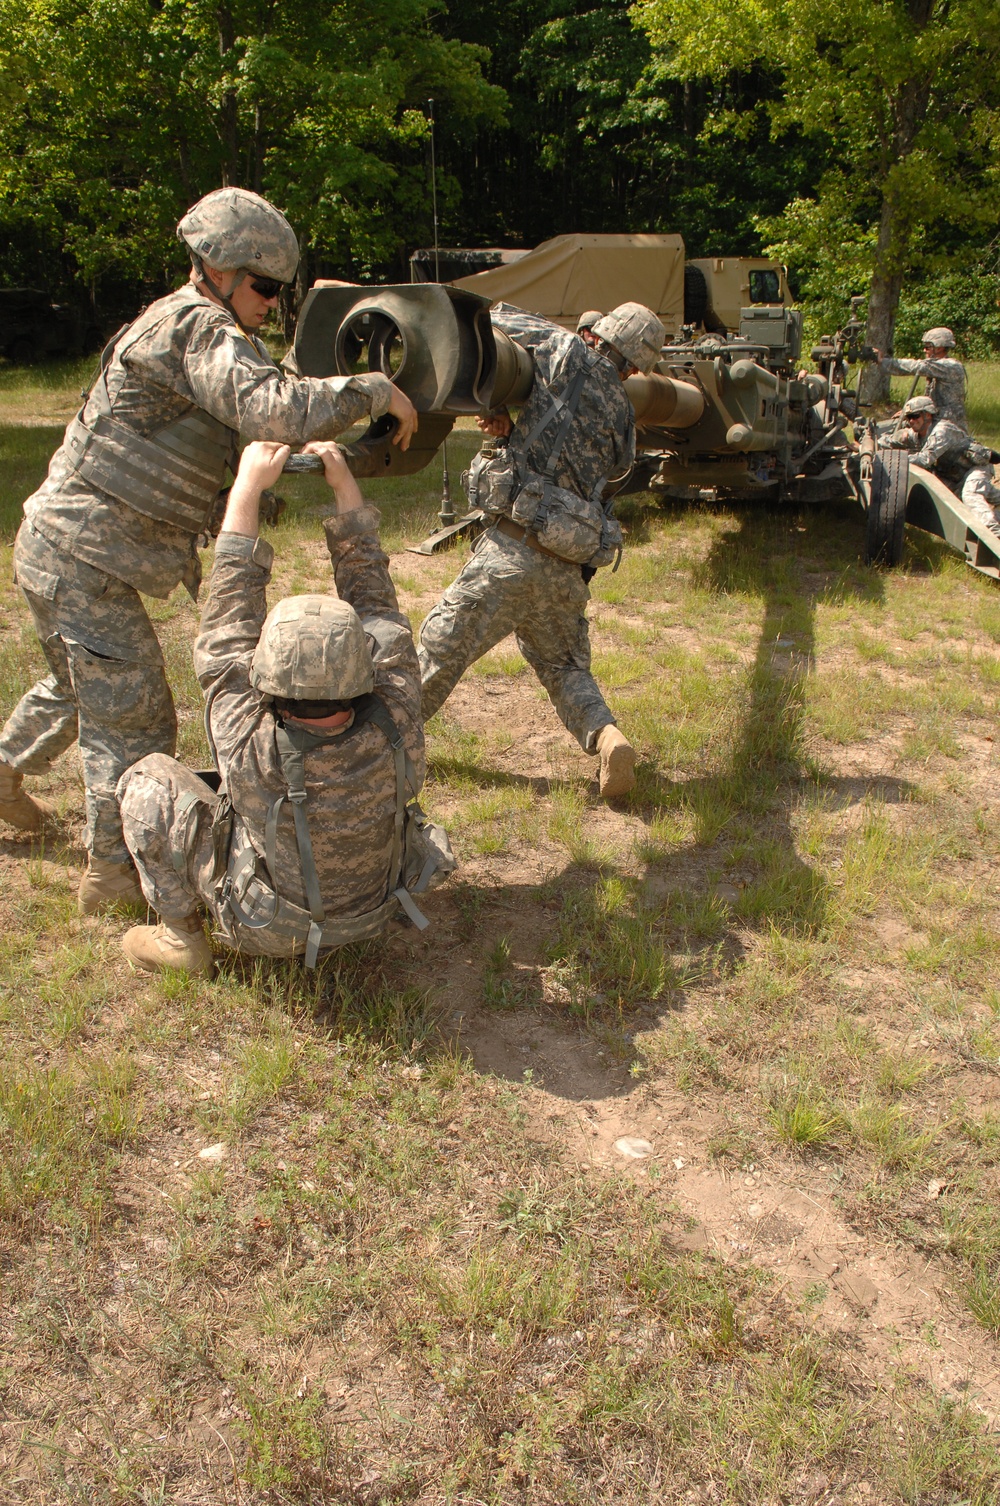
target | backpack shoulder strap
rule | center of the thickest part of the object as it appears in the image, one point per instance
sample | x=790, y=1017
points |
x=291, y=752
x=561, y=406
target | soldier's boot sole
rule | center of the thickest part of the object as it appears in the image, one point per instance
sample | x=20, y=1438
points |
x=166, y=948
x=107, y=885
x=617, y=755
x=17, y=808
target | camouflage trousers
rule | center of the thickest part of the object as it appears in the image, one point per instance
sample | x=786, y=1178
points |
x=107, y=685
x=981, y=495
x=167, y=814
x=508, y=587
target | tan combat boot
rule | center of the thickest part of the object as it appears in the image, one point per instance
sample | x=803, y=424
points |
x=107, y=884
x=181, y=944
x=617, y=754
x=18, y=808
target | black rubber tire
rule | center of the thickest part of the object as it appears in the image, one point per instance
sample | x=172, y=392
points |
x=695, y=294
x=887, y=508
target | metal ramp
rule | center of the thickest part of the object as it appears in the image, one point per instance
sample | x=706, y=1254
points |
x=930, y=505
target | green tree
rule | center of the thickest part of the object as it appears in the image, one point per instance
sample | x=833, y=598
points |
x=122, y=112
x=599, y=138
x=906, y=97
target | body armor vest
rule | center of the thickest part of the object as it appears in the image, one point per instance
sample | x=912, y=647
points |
x=174, y=474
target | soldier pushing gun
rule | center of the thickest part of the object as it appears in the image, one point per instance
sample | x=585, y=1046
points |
x=129, y=491
x=541, y=483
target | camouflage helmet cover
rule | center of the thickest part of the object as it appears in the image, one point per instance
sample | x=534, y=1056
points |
x=313, y=648
x=587, y=320
x=635, y=332
x=915, y=405
x=233, y=230
x=940, y=336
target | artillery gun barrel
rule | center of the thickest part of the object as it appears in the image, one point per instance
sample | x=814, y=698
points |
x=664, y=402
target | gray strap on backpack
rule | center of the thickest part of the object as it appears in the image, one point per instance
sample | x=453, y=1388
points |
x=566, y=407
x=293, y=768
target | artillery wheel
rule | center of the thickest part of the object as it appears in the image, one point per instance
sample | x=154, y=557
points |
x=887, y=508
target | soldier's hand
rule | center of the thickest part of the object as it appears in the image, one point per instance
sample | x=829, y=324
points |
x=261, y=462
x=498, y=425
x=877, y=354
x=405, y=415
x=336, y=472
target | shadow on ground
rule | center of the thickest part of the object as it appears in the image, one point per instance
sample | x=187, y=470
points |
x=608, y=952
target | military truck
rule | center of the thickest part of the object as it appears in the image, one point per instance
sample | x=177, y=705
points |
x=564, y=276
x=728, y=418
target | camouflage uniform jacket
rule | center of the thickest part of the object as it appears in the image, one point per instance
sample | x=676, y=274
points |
x=191, y=354
x=945, y=384
x=601, y=439
x=350, y=781
x=947, y=450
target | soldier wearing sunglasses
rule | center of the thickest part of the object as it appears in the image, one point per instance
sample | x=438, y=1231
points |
x=130, y=490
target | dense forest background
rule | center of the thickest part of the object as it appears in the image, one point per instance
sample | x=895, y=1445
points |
x=867, y=161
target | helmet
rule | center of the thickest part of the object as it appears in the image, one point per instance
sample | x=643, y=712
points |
x=939, y=335
x=313, y=648
x=915, y=405
x=635, y=332
x=235, y=230
x=587, y=320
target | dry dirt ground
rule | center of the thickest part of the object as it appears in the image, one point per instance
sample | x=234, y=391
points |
x=784, y=1215
x=758, y=1002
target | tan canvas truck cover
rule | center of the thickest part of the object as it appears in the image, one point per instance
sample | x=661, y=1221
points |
x=571, y=273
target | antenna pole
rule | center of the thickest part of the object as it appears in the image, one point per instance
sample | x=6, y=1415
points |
x=434, y=192
x=446, y=516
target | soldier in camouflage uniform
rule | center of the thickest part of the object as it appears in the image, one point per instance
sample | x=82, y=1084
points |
x=309, y=667
x=946, y=379
x=937, y=444
x=127, y=495
x=512, y=583
x=585, y=326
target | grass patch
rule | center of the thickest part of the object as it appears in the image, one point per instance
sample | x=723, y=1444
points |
x=384, y=1287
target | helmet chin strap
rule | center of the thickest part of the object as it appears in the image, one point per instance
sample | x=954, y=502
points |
x=226, y=299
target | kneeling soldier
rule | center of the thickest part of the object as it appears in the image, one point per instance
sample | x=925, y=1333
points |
x=314, y=720
x=940, y=445
x=129, y=492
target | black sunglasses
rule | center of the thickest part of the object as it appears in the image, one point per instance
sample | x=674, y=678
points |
x=267, y=287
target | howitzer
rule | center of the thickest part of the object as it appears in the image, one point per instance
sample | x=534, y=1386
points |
x=729, y=418
x=438, y=344
x=766, y=433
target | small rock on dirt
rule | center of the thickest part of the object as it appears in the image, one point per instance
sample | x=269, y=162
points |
x=632, y=1148
x=215, y=1152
